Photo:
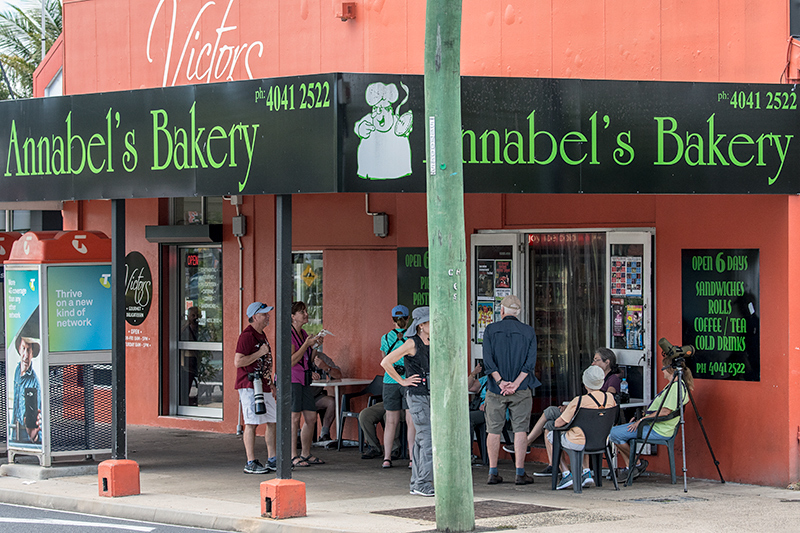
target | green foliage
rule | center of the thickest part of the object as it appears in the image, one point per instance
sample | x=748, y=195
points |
x=21, y=42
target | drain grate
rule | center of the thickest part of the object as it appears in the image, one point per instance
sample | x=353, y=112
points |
x=483, y=509
x=673, y=499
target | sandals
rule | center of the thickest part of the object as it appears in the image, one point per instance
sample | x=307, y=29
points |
x=313, y=460
x=387, y=463
x=299, y=460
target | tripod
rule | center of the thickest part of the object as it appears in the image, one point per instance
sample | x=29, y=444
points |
x=677, y=376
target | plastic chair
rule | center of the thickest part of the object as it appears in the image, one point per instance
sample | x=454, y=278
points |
x=375, y=392
x=641, y=433
x=480, y=438
x=596, y=424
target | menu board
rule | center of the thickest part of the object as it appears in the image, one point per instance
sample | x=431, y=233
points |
x=720, y=304
x=412, y=277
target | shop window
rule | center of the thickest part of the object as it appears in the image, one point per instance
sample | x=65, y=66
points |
x=197, y=210
x=21, y=221
x=56, y=85
x=24, y=220
x=199, y=346
x=307, y=286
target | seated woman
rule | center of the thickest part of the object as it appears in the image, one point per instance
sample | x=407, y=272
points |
x=622, y=434
x=574, y=438
x=606, y=360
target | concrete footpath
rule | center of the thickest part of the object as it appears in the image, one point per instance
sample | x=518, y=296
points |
x=195, y=479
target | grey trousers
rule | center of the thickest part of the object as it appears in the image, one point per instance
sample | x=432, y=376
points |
x=368, y=419
x=422, y=452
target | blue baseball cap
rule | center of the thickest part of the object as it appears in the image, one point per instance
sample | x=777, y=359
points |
x=257, y=307
x=399, y=311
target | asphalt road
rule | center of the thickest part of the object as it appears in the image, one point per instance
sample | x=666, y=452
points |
x=19, y=519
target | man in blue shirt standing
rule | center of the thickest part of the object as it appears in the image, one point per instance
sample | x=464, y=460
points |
x=509, y=357
x=27, y=426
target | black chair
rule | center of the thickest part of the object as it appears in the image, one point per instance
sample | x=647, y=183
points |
x=480, y=437
x=641, y=433
x=375, y=392
x=596, y=424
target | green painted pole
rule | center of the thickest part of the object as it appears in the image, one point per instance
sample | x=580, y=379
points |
x=452, y=470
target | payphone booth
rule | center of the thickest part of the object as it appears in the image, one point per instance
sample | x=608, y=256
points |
x=6, y=241
x=58, y=345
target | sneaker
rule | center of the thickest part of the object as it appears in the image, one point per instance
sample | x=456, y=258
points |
x=427, y=492
x=272, y=464
x=255, y=467
x=494, y=479
x=510, y=449
x=639, y=469
x=547, y=472
x=371, y=453
x=524, y=479
x=586, y=478
x=566, y=481
x=325, y=437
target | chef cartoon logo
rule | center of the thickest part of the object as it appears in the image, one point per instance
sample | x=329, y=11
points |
x=384, y=152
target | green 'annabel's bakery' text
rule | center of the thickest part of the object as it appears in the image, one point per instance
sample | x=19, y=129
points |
x=174, y=147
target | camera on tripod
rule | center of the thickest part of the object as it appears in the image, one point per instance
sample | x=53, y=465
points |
x=675, y=356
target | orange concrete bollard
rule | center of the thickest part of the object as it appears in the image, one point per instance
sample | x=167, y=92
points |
x=118, y=477
x=283, y=498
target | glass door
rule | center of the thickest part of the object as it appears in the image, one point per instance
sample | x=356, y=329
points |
x=496, y=273
x=199, y=343
x=629, y=300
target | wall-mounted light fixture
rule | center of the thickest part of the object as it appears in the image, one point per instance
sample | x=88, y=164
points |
x=348, y=11
x=380, y=221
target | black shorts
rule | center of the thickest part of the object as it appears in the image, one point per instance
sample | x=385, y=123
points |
x=303, y=398
x=394, y=397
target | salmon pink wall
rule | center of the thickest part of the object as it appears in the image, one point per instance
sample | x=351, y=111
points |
x=792, y=438
x=142, y=363
x=711, y=222
x=727, y=407
x=112, y=45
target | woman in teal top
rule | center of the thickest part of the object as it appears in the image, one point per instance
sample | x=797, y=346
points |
x=394, y=400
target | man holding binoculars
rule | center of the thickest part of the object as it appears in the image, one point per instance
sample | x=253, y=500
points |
x=254, y=371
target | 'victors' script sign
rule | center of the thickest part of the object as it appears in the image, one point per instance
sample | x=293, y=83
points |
x=201, y=57
x=138, y=288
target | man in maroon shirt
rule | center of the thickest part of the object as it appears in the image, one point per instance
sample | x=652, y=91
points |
x=254, y=357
